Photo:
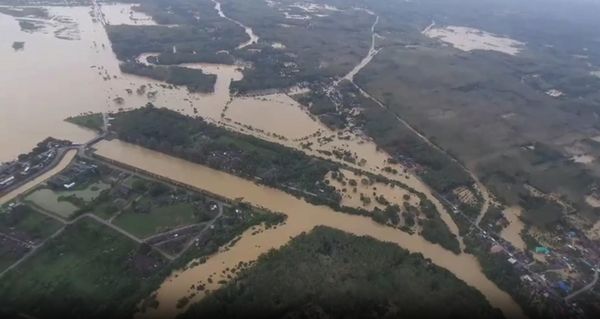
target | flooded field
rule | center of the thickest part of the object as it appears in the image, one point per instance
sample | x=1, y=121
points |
x=512, y=232
x=469, y=39
x=92, y=83
x=276, y=113
x=361, y=192
x=302, y=216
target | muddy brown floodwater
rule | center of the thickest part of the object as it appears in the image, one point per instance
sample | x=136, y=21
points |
x=302, y=217
x=79, y=74
x=512, y=232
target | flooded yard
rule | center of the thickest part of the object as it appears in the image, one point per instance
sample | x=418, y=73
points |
x=361, y=192
x=512, y=232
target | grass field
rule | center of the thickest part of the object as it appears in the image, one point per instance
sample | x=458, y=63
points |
x=158, y=219
x=87, y=271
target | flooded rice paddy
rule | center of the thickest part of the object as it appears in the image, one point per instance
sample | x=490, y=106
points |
x=354, y=194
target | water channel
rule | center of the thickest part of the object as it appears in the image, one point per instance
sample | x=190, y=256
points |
x=302, y=217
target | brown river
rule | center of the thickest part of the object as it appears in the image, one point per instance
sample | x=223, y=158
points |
x=302, y=217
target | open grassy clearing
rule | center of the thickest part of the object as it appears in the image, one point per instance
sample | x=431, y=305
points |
x=157, y=220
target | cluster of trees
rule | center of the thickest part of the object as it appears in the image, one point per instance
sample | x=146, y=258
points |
x=195, y=80
x=506, y=276
x=331, y=274
x=86, y=281
x=440, y=172
x=195, y=140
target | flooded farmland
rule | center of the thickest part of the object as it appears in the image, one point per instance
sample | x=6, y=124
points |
x=94, y=83
x=302, y=216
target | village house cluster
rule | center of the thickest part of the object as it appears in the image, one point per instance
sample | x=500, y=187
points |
x=29, y=165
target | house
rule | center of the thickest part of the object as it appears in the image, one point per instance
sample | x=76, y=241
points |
x=7, y=181
x=542, y=250
x=69, y=186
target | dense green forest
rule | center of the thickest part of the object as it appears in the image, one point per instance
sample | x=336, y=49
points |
x=331, y=274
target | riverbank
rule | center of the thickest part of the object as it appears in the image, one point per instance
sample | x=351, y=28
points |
x=302, y=217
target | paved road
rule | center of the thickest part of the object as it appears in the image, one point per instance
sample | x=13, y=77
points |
x=584, y=289
x=191, y=242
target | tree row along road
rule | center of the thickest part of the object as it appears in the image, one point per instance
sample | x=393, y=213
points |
x=373, y=51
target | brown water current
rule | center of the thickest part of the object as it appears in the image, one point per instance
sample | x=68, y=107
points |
x=302, y=217
x=78, y=75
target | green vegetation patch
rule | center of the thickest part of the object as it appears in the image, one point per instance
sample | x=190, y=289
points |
x=331, y=274
x=26, y=224
x=194, y=80
x=157, y=219
x=89, y=271
x=92, y=121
